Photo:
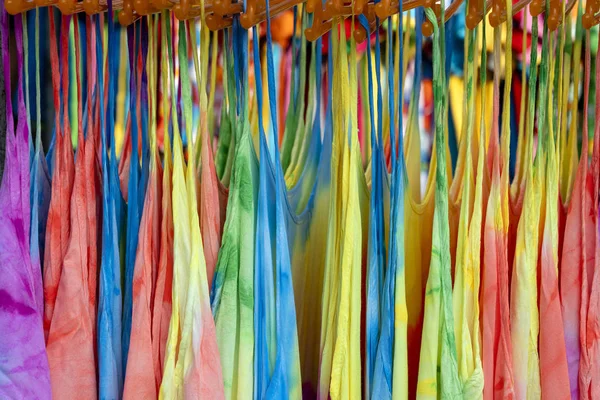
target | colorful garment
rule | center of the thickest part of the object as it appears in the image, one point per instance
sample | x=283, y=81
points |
x=438, y=369
x=192, y=366
x=71, y=335
x=524, y=311
x=232, y=296
x=495, y=292
x=146, y=351
x=339, y=375
x=554, y=374
x=24, y=368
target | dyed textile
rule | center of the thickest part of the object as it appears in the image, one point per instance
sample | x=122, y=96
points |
x=314, y=241
x=340, y=352
x=148, y=339
x=24, y=368
x=438, y=369
x=554, y=374
x=71, y=336
x=192, y=367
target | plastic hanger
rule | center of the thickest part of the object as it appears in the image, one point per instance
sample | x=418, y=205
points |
x=69, y=7
x=15, y=7
x=387, y=8
x=185, y=10
x=590, y=17
x=498, y=14
x=45, y=3
x=325, y=14
x=127, y=15
x=427, y=26
x=92, y=7
x=360, y=33
x=147, y=7
x=220, y=14
x=256, y=11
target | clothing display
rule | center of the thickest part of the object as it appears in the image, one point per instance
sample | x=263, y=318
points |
x=295, y=200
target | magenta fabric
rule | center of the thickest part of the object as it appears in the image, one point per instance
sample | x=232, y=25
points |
x=24, y=370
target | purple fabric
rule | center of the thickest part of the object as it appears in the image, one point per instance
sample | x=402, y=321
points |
x=24, y=370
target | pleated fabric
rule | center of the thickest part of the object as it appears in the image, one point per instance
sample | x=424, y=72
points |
x=524, y=294
x=192, y=366
x=58, y=228
x=110, y=297
x=146, y=351
x=467, y=268
x=40, y=175
x=232, y=296
x=554, y=374
x=438, y=367
x=276, y=355
x=495, y=292
x=588, y=328
x=70, y=342
x=24, y=368
x=339, y=375
x=418, y=214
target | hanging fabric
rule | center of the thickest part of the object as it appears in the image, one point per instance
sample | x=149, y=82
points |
x=391, y=362
x=341, y=321
x=438, y=351
x=192, y=364
x=588, y=329
x=232, y=296
x=110, y=303
x=137, y=177
x=277, y=360
x=212, y=196
x=308, y=205
x=467, y=266
x=146, y=351
x=495, y=291
x=419, y=215
x=554, y=375
x=39, y=173
x=24, y=368
x=58, y=226
x=70, y=343
x=330, y=235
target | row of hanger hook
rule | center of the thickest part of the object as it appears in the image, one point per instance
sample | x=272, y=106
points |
x=219, y=14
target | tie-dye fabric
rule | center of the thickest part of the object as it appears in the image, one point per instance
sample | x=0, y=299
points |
x=339, y=375
x=192, y=367
x=70, y=342
x=438, y=368
x=24, y=371
x=232, y=297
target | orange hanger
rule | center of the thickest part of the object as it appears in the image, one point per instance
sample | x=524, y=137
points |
x=215, y=22
x=590, y=16
x=554, y=19
x=92, y=7
x=477, y=11
x=249, y=17
x=387, y=8
x=219, y=13
x=324, y=15
x=256, y=10
x=69, y=7
x=147, y=7
x=360, y=33
x=45, y=3
x=227, y=8
x=15, y=7
x=127, y=15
